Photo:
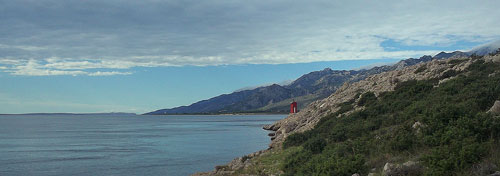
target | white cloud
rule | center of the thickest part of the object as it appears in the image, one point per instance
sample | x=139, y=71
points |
x=11, y=61
x=177, y=33
x=22, y=47
x=34, y=68
x=111, y=73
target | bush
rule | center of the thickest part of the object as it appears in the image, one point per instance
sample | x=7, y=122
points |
x=448, y=74
x=455, y=157
x=296, y=139
x=295, y=162
x=367, y=98
x=420, y=69
x=403, y=139
x=456, y=61
x=315, y=145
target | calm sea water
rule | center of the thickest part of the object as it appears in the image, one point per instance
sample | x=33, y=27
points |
x=126, y=145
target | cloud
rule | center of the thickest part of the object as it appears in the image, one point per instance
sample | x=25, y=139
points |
x=99, y=73
x=75, y=36
x=22, y=47
x=34, y=68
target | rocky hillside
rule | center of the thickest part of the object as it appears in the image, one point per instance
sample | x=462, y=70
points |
x=419, y=88
x=437, y=118
x=378, y=83
x=441, y=69
x=306, y=89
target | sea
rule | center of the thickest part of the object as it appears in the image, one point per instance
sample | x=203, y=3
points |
x=126, y=144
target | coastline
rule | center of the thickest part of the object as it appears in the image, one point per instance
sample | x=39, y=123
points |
x=220, y=114
x=244, y=161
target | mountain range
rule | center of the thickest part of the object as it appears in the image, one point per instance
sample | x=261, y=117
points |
x=304, y=90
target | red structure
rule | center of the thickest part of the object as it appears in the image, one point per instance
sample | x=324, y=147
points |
x=293, y=107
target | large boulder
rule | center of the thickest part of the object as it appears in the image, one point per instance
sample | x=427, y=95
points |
x=495, y=109
x=497, y=173
x=408, y=168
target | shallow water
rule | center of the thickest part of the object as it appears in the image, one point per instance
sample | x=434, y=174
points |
x=126, y=145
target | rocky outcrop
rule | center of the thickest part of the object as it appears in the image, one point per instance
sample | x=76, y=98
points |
x=495, y=109
x=497, y=173
x=307, y=118
x=408, y=168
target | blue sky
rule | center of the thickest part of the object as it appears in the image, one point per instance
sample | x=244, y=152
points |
x=139, y=56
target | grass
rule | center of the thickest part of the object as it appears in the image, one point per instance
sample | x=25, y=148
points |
x=269, y=163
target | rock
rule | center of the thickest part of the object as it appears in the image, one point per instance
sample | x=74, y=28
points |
x=269, y=127
x=356, y=174
x=239, y=163
x=224, y=173
x=410, y=164
x=408, y=168
x=497, y=173
x=389, y=168
x=412, y=168
x=416, y=125
x=485, y=168
x=203, y=174
x=495, y=109
x=371, y=174
x=271, y=134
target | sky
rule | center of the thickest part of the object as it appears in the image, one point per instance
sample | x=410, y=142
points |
x=139, y=56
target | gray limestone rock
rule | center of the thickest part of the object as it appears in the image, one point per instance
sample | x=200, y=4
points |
x=495, y=109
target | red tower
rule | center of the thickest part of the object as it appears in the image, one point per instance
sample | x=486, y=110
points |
x=293, y=107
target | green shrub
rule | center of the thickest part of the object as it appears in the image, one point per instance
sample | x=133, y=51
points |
x=420, y=69
x=455, y=157
x=367, y=98
x=448, y=74
x=456, y=61
x=296, y=139
x=295, y=161
x=402, y=140
x=315, y=145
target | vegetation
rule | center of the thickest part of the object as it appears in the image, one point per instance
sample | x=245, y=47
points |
x=420, y=69
x=456, y=61
x=268, y=163
x=455, y=132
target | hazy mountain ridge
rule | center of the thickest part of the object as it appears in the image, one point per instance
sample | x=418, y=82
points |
x=98, y=114
x=307, y=88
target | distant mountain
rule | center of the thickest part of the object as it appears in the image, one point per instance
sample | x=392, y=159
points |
x=100, y=114
x=455, y=54
x=306, y=89
x=486, y=49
